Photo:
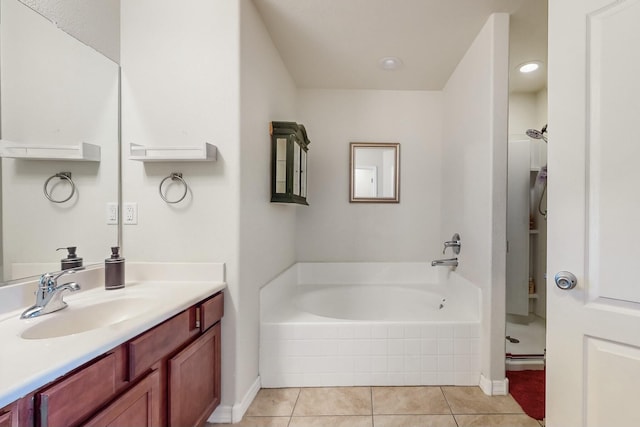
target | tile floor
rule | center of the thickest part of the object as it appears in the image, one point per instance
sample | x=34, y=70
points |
x=382, y=407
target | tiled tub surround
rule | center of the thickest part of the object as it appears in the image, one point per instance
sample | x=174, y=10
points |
x=169, y=289
x=373, y=324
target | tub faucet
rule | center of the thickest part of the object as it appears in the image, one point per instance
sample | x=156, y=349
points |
x=49, y=295
x=454, y=243
x=451, y=262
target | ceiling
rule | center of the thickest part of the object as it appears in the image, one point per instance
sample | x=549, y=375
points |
x=337, y=44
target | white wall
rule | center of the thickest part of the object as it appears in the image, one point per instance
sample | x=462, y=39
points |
x=529, y=111
x=181, y=86
x=213, y=75
x=95, y=23
x=267, y=231
x=331, y=228
x=474, y=196
x=522, y=114
x=542, y=107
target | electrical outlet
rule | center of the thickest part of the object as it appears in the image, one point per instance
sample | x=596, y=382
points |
x=130, y=213
x=112, y=213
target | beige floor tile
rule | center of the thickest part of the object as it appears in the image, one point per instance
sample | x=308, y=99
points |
x=499, y=420
x=256, y=422
x=334, y=401
x=333, y=421
x=414, y=421
x=409, y=400
x=471, y=400
x=273, y=402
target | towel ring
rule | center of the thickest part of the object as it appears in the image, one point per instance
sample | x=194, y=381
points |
x=175, y=176
x=62, y=175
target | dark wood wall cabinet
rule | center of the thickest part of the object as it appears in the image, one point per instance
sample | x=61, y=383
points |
x=289, y=148
x=166, y=376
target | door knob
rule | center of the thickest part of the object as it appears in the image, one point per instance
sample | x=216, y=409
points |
x=566, y=280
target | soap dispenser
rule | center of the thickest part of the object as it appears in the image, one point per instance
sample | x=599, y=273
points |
x=114, y=270
x=72, y=260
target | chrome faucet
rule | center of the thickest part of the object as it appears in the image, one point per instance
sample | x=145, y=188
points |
x=451, y=262
x=454, y=243
x=49, y=295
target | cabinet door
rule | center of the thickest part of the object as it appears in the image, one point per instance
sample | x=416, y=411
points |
x=140, y=406
x=280, y=166
x=9, y=416
x=164, y=339
x=296, y=167
x=77, y=396
x=211, y=311
x=194, y=380
x=303, y=173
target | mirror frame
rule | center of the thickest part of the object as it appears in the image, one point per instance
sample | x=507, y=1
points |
x=353, y=147
x=103, y=173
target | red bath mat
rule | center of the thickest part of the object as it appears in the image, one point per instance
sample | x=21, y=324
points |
x=527, y=388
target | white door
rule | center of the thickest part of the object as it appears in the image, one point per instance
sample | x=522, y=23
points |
x=366, y=182
x=593, y=338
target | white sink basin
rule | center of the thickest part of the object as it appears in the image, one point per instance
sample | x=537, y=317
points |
x=74, y=320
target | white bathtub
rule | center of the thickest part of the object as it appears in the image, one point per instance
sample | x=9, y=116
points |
x=340, y=324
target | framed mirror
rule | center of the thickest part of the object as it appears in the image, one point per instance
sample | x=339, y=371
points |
x=374, y=175
x=56, y=92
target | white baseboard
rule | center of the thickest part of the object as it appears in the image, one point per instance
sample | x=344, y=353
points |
x=221, y=415
x=524, y=365
x=238, y=410
x=494, y=388
x=233, y=414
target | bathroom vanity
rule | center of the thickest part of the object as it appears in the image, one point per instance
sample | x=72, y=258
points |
x=159, y=367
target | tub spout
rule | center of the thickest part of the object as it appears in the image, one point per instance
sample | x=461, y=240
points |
x=452, y=262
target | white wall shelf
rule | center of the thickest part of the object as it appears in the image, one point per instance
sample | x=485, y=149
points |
x=81, y=152
x=203, y=153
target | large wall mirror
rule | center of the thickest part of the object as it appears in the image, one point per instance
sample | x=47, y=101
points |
x=375, y=172
x=54, y=91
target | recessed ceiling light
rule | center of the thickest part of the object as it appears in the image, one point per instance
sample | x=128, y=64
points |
x=389, y=63
x=529, y=67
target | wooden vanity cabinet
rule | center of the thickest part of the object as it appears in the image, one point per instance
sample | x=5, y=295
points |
x=194, y=373
x=139, y=406
x=161, y=341
x=18, y=414
x=194, y=380
x=77, y=395
x=211, y=311
x=166, y=376
x=9, y=416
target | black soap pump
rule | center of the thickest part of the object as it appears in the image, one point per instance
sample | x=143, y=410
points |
x=114, y=270
x=72, y=260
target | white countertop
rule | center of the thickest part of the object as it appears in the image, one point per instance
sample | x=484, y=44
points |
x=27, y=364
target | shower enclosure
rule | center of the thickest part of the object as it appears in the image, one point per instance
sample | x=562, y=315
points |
x=526, y=252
